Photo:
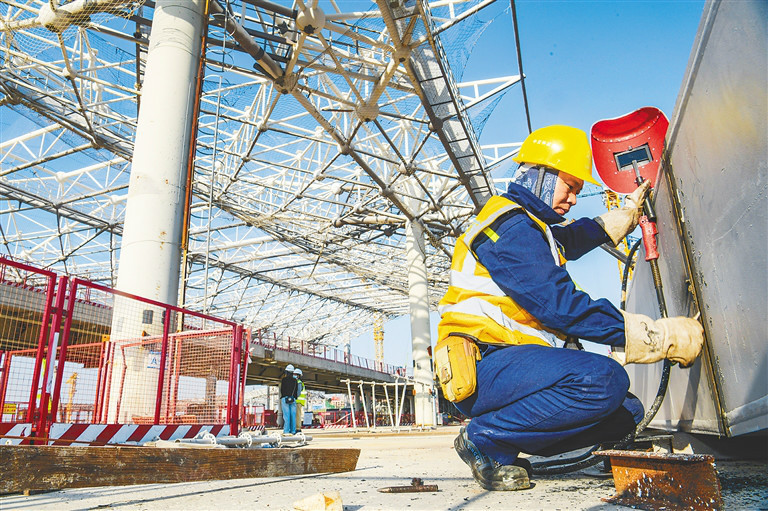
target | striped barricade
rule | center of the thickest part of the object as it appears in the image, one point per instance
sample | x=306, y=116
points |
x=132, y=434
x=14, y=434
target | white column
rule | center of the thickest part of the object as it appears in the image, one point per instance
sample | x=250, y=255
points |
x=418, y=291
x=151, y=242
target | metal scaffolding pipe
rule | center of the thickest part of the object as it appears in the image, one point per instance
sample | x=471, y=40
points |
x=244, y=39
x=365, y=409
x=398, y=409
x=351, y=405
x=389, y=408
x=373, y=403
x=245, y=440
x=395, y=424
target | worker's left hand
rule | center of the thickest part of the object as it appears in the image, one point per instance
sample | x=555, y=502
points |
x=647, y=340
x=618, y=223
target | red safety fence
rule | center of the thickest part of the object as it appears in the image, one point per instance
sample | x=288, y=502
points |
x=259, y=416
x=74, y=353
x=26, y=313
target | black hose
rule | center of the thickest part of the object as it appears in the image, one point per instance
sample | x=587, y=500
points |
x=554, y=463
x=586, y=460
x=571, y=466
x=625, y=275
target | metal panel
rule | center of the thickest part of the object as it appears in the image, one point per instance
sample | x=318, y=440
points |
x=717, y=149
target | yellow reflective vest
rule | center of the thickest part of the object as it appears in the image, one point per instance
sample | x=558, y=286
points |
x=475, y=305
x=302, y=399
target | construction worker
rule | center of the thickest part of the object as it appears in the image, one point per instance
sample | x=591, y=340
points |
x=301, y=401
x=289, y=391
x=511, y=296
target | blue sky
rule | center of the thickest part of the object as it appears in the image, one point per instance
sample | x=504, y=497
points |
x=583, y=61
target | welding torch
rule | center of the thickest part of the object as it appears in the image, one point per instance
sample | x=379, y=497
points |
x=647, y=224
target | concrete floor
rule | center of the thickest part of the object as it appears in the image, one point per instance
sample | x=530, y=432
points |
x=385, y=460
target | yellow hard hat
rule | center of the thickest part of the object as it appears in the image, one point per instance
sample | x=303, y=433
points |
x=562, y=148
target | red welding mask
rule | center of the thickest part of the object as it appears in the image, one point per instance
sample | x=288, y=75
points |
x=637, y=136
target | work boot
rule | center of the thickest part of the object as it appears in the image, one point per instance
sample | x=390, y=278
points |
x=487, y=472
x=525, y=465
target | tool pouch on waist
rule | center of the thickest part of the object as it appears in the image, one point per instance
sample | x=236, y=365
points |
x=456, y=359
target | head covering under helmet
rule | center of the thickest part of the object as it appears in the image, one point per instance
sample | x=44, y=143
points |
x=538, y=180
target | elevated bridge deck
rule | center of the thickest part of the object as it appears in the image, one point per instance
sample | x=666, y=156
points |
x=323, y=367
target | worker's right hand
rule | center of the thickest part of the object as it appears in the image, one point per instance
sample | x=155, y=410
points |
x=617, y=223
x=676, y=339
x=634, y=200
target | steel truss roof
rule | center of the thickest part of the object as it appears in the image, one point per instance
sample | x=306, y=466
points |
x=318, y=137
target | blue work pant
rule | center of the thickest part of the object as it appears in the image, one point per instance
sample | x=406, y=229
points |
x=289, y=416
x=546, y=401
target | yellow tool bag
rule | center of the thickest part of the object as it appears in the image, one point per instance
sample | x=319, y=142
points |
x=456, y=359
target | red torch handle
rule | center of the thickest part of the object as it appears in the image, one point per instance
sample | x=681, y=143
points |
x=649, y=238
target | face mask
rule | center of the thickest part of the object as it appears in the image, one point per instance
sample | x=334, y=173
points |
x=538, y=180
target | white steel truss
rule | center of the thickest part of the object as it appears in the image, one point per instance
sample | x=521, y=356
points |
x=323, y=127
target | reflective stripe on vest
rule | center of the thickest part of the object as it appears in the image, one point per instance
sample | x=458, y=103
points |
x=500, y=208
x=474, y=303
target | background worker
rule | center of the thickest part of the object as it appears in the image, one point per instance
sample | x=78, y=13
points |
x=289, y=391
x=510, y=291
x=301, y=400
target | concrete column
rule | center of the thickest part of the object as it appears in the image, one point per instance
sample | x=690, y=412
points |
x=151, y=243
x=418, y=290
x=150, y=248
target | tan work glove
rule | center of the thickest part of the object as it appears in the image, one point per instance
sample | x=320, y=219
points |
x=647, y=340
x=617, y=223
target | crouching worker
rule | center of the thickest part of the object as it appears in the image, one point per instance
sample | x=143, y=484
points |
x=511, y=304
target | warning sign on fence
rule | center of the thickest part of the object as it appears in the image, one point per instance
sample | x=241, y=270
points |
x=153, y=360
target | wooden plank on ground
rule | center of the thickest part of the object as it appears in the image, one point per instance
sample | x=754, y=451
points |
x=33, y=467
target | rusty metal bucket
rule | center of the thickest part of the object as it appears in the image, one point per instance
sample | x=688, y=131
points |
x=655, y=481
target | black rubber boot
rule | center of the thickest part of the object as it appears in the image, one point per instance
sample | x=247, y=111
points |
x=489, y=474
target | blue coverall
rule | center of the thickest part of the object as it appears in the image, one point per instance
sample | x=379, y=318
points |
x=537, y=399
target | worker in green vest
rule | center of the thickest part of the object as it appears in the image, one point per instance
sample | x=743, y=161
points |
x=301, y=400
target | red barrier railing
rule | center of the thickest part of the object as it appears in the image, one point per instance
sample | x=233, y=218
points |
x=323, y=352
x=26, y=306
x=75, y=352
x=170, y=360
